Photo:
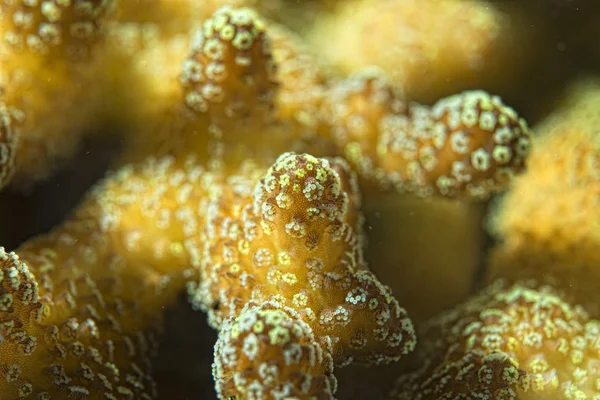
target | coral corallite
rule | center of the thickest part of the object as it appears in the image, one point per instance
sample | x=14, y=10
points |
x=67, y=333
x=267, y=241
x=52, y=27
x=230, y=72
x=82, y=305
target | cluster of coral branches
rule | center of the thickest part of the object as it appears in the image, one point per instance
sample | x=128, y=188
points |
x=251, y=148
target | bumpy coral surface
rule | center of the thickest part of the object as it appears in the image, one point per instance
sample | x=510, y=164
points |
x=268, y=352
x=296, y=237
x=71, y=329
x=431, y=48
x=533, y=333
x=508, y=342
x=47, y=48
x=51, y=27
x=467, y=143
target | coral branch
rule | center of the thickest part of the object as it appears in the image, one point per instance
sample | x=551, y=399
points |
x=83, y=305
x=548, y=222
x=52, y=28
x=467, y=144
x=230, y=71
x=9, y=143
x=430, y=48
x=296, y=238
x=533, y=333
x=268, y=352
x=508, y=342
x=47, y=50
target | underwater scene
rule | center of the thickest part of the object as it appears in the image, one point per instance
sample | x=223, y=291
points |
x=299, y=199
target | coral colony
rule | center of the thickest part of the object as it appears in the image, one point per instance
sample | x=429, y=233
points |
x=249, y=153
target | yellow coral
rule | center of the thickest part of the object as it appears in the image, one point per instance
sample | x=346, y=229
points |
x=508, y=342
x=230, y=70
x=431, y=48
x=47, y=47
x=268, y=352
x=56, y=28
x=549, y=219
x=295, y=237
x=453, y=228
x=289, y=236
x=466, y=144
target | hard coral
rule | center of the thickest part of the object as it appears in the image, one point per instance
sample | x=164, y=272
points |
x=71, y=329
x=295, y=237
x=533, y=333
x=508, y=342
x=431, y=48
x=46, y=51
x=549, y=224
x=268, y=352
x=230, y=70
x=470, y=143
x=201, y=196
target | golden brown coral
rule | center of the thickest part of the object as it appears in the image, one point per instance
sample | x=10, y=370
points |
x=295, y=238
x=302, y=80
x=268, y=352
x=72, y=330
x=430, y=48
x=537, y=327
x=56, y=28
x=47, y=48
x=170, y=17
x=466, y=144
x=230, y=69
x=9, y=139
x=99, y=286
x=508, y=342
x=549, y=220
x=403, y=230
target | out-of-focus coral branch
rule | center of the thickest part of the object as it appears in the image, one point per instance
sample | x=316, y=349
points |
x=548, y=222
x=46, y=51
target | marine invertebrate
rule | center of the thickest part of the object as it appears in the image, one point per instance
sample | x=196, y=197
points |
x=47, y=47
x=258, y=355
x=469, y=143
x=453, y=228
x=508, y=342
x=9, y=139
x=466, y=144
x=429, y=48
x=70, y=329
x=549, y=224
x=533, y=332
x=290, y=236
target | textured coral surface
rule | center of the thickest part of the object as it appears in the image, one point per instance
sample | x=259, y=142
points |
x=283, y=199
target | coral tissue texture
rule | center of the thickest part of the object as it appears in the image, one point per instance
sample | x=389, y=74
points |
x=348, y=193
